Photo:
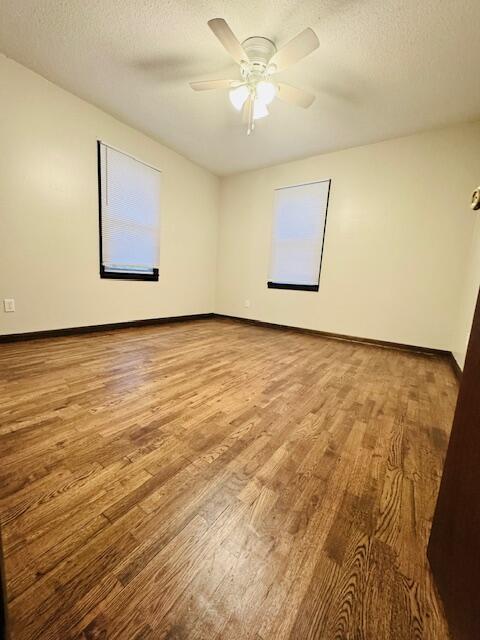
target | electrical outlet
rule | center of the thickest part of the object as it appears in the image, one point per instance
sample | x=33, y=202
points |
x=247, y=303
x=9, y=305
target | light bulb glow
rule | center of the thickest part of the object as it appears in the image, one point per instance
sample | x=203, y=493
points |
x=238, y=96
x=265, y=91
x=259, y=110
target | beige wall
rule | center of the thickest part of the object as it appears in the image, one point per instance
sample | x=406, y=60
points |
x=49, y=215
x=398, y=233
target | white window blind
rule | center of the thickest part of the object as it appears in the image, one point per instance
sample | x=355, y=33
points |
x=300, y=214
x=130, y=214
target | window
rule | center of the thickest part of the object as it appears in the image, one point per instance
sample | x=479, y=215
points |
x=300, y=215
x=129, y=199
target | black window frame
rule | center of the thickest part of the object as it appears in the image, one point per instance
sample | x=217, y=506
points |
x=307, y=287
x=105, y=273
x=294, y=287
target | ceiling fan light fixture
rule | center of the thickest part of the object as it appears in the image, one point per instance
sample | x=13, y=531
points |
x=259, y=109
x=238, y=96
x=266, y=91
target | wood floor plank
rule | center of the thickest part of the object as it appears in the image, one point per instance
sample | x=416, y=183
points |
x=214, y=480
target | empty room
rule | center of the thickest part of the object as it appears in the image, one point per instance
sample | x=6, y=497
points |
x=239, y=331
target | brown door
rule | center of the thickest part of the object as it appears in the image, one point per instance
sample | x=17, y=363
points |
x=3, y=600
x=454, y=547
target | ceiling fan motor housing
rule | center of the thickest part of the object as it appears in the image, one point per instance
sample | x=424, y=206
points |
x=260, y=50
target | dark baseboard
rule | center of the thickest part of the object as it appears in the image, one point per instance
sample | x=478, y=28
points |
x=455, y=366
x=70, y=331
x=339, y=336
x=54, y=333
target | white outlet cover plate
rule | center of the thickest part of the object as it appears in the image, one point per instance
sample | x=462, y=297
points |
x=9, y=305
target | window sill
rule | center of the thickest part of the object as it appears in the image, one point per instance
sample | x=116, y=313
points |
x=293, y=287
x=129, y=275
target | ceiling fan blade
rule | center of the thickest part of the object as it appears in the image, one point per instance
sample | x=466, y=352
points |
x=296, y=49
x=298, y=97
x=204, y=85
x=226, y=36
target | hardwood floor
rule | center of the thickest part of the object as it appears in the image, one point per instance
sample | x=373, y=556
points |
x=213, y=480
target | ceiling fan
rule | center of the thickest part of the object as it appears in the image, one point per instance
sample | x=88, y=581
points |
x=259, y=60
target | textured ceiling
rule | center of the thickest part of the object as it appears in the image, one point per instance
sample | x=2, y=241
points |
x=384, y=68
